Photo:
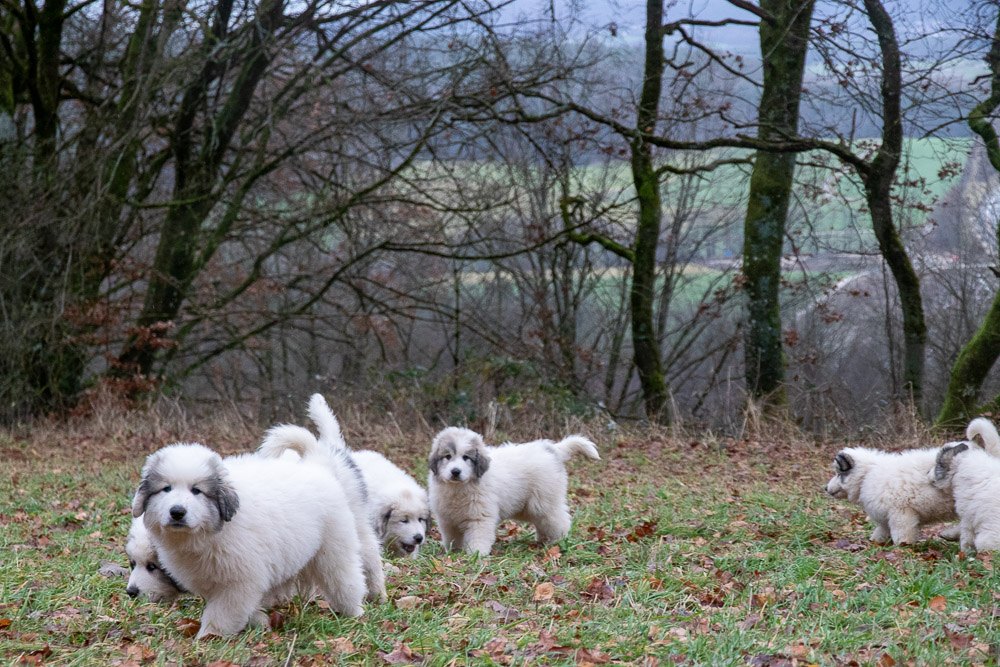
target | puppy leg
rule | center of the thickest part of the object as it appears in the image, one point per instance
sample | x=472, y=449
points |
x=229, y=612
x=337, y=570
x=552, y=528
x=904, y=528
x=451, y=536
x=371, y=562
x=881, y=533
x=480, y=535
x=951, y=533
x=967, y=539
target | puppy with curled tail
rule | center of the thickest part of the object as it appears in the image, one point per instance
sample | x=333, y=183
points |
x=331, y=454
x=241, y=531
x=399, y=506
x=474, y=487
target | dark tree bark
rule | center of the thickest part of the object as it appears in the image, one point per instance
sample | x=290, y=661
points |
x=979, y=355
x=784, y=40
x=196, y=177
x=647, y=186
x=878, y=176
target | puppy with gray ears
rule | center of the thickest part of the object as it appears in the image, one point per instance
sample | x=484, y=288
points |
x=972, y=476
x=893, y=490
x=148, y=577
x=244, y=530
x=398, y=505
x=474, y=487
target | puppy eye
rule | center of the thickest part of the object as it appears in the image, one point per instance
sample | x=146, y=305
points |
x=404, y=521
x=447, y=457
x=151, y=567
x=195, y=491
x=466, y=458
x=168, y=489
x=131, y=564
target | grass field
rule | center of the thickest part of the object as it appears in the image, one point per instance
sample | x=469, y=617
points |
x=684, y=550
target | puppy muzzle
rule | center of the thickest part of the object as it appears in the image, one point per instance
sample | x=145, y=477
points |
x=456, y=473
x=132, y=591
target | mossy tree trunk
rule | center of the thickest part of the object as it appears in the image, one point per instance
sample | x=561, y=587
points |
x=646, y=351
x=980, y=354
x=784, y=39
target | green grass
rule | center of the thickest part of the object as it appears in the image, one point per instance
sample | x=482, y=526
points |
x=679, y=554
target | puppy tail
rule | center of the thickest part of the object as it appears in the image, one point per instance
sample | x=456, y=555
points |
x=985, y=429
x=326, y=423
x=575, y=444
x=286, y=437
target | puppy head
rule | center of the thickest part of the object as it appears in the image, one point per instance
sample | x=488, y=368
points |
x=846, y=480
x=458, y=455
x=403, y=531
x=943, y=472
x=184, y=489
x=148, y=577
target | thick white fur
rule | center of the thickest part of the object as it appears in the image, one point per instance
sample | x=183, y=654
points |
x=474, y=487
x=334, y=455
x=148, y=576
x=241, y=531
x=399, y=505
x=972, y=476
x=894, y=491
x=987, y=432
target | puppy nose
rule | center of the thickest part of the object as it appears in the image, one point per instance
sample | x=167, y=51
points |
x=456, y=473
x=133, y=591
x=418, y=538
x=177, y=512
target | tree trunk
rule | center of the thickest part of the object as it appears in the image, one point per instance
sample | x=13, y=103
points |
x=784, y=39
x=878, y=179
x=980, y=353
x=647, y=187
x=196, y=187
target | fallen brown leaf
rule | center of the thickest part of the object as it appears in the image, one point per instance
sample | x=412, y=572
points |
x=543, y=592
x=401, y=655
x=937, y=603
x=188, y=627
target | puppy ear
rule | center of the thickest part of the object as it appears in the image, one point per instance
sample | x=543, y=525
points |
x=435, y=459
x=843, y=463
x=480, y=461
x=140, y=498
x=944, y=459
x=226, y=499
x=385, y=519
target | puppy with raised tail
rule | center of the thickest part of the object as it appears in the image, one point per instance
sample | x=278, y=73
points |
x=240, y=531
x=331, y=452
x=474, y=487
x=399, y=506
x=972, y=476
x=894, y=488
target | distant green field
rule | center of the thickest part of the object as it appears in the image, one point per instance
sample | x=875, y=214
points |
x=828, y=211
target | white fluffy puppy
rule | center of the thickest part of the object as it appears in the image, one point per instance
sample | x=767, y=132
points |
x=474, y=487
x=399, y=506
x=241, y=530
x=972, y=476
x=148, y=576
x=894, y=489
x=334, y=455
